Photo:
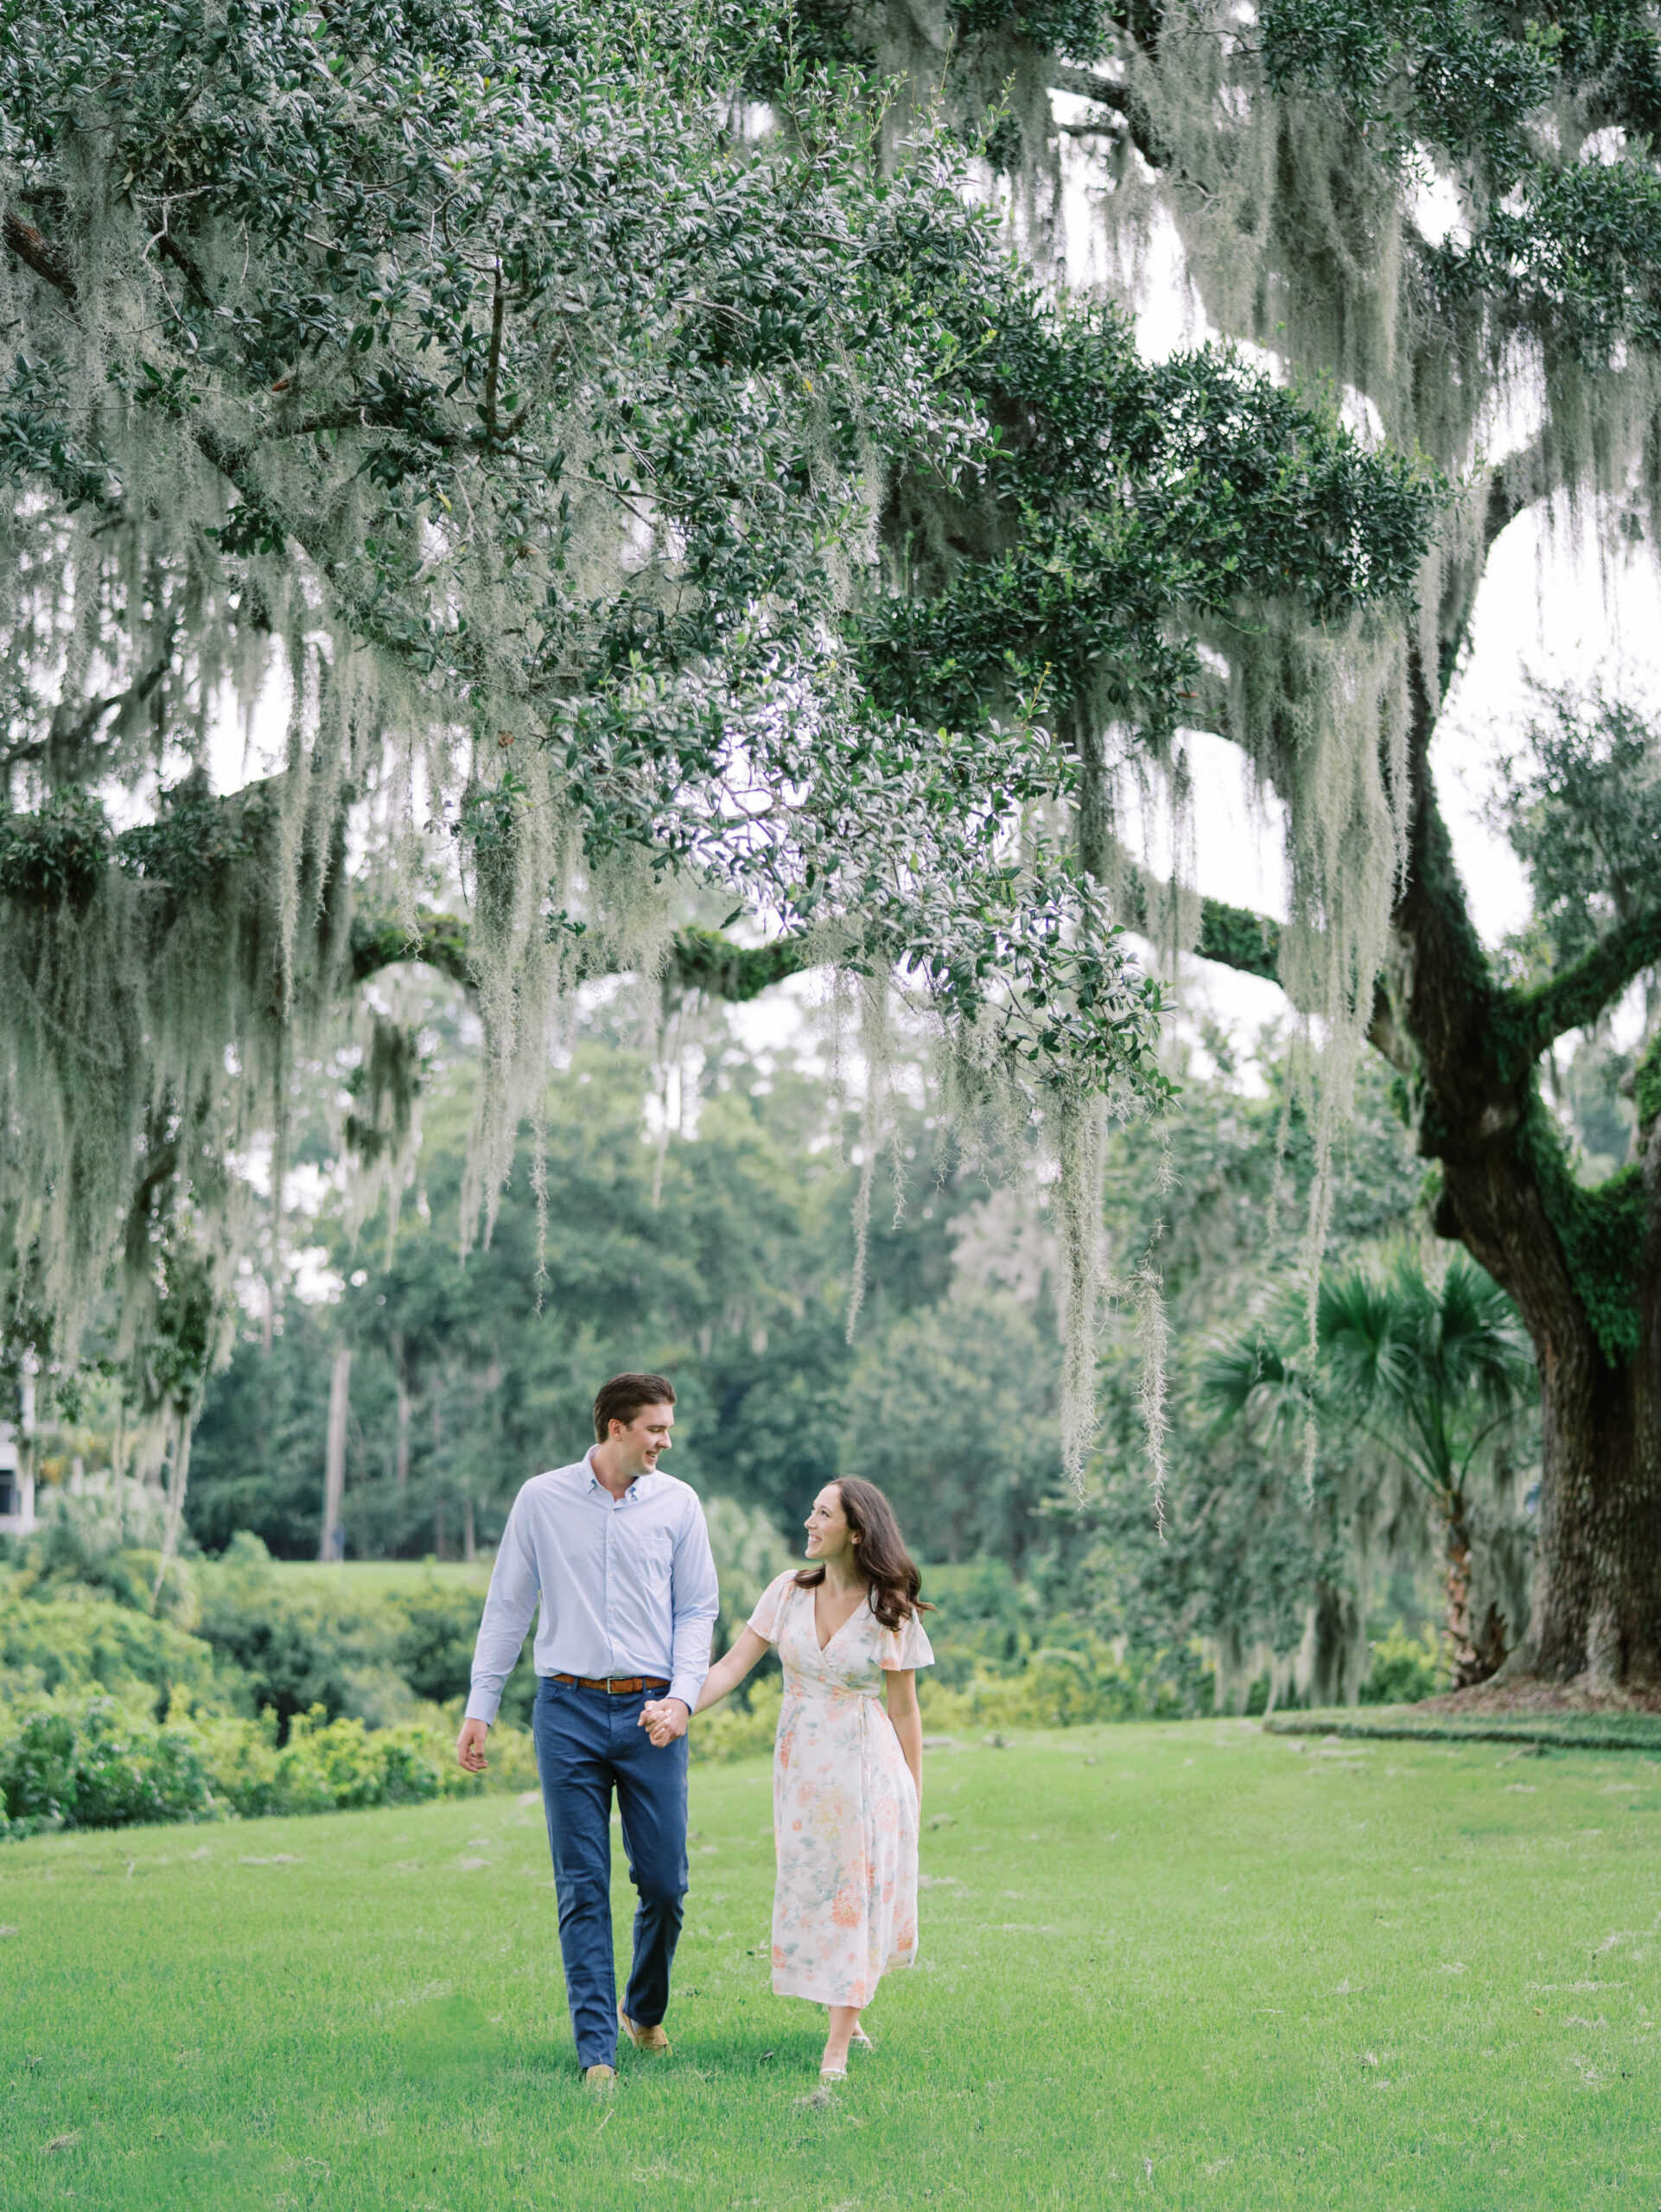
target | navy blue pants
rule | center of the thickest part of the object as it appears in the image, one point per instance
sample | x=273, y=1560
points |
x=588, y=1742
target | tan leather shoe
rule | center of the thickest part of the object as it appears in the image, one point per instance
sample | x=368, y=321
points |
x=602, y=2079
x=652, y=2039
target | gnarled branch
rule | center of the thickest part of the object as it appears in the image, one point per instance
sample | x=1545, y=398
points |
x=700, y=960
x=1587, y=985
x=37, y=252
x=1133, y=118
x=1233, y=936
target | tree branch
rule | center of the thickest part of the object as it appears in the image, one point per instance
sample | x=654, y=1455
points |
x=438, y=941
x=1232, y=935
x=1238, y=939
x=1448, y=986
x=67, y=737
x=1133, y=118
x=704, y=960
x=701, y=960
x=38, y=252
x=1520, y=481
x=493, y=366
x=166, y=243
x=1587, y=985
x=234, y=463
x=73, y=735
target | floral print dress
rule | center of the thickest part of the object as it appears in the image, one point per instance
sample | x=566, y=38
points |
x=844, y=1806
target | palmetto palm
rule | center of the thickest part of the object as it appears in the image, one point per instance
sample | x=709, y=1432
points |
x=1430, y=1369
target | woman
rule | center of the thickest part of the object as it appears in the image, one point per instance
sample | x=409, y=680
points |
x=846, y=1779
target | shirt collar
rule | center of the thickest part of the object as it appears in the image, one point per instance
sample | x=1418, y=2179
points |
x=636, y=1489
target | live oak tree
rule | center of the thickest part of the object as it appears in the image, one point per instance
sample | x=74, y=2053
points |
x=656, y=513
x=1291, y=144
x=467, y=368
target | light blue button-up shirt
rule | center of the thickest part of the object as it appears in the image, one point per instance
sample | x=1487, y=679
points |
x=628, y=1585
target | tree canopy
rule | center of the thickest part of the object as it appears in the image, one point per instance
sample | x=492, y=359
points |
x=656, y=514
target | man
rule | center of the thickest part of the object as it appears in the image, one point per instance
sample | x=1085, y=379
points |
x=620, y=1557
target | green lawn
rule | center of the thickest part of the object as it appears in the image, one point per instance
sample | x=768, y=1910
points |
x=380, y=1578
x=1193, y=1965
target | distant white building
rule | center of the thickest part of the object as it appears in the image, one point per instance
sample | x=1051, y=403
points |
x=17, y=1490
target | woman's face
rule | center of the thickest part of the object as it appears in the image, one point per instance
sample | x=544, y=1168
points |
x=829, y=1535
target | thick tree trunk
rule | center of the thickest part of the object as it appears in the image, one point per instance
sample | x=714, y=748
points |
x=1596, y=1614
x=1597, y=1610
x=1597, y=1589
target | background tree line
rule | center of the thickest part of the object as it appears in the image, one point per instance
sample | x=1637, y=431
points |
x=719, y=1250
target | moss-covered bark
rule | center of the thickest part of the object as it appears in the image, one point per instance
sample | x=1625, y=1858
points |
x=1583, y=1266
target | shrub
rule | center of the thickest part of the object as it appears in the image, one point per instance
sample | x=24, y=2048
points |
x=1066, y=1687
x=100, y=1536
x=86, y=1760
x=72, y=1642
x=732, y=1733
x=435, y=1627
x=91, y=1762
x=291, y=1647
x=330, y=1766
x=982, y=1625
x=362, y=1653
x=1405, y=1670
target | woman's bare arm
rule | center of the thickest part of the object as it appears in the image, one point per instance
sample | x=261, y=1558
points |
x=908, y=1719
x=725, y=1676
x=720, y=1679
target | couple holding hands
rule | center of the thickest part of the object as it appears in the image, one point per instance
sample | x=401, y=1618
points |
x=619, y=1556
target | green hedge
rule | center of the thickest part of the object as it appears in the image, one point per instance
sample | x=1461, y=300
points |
x=1613, y=1731
x=1067, y=1685
x=86, y=1760
x=66, y=1643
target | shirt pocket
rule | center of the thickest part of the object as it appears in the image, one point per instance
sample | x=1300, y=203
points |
x=653, y=1562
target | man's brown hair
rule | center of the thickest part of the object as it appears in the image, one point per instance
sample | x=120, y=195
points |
x=623, y=1397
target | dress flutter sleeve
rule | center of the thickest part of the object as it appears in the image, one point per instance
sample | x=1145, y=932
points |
x=901, y=1651
x=768, y=1618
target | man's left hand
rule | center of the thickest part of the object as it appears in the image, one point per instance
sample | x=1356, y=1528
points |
x=665, y=1718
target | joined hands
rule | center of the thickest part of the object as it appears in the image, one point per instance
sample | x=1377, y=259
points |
x=664, y=1718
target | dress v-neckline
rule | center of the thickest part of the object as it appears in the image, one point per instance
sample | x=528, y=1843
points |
x=834, y=1632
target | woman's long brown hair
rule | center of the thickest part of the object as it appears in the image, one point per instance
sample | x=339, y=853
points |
x=884, y=1564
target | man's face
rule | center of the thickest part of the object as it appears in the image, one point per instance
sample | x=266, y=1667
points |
x=643, y=1438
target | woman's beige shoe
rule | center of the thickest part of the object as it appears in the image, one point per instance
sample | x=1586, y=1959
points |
x=652, y=2038
x=859, y=2041
x=833, y=2073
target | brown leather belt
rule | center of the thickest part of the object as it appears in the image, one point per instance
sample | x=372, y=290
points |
x=617, y=1685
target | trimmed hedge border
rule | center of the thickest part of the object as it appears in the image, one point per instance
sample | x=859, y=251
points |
x=1565, y=1731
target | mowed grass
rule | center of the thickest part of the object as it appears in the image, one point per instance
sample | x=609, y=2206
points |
x=1186, y=1966
x=382, y=1578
